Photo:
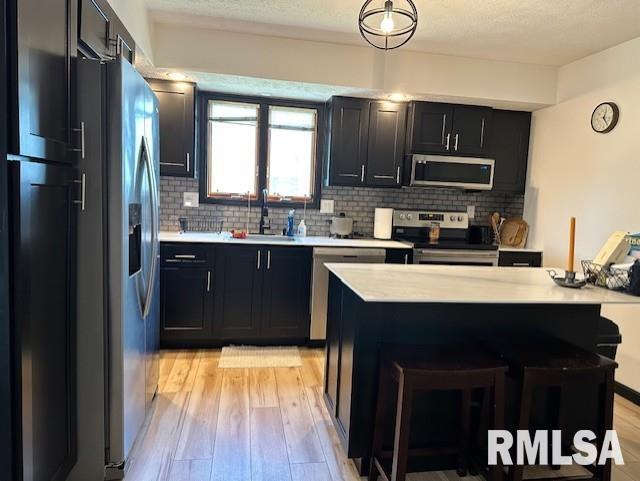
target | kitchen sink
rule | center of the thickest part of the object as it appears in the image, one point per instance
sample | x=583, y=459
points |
x=271, y=238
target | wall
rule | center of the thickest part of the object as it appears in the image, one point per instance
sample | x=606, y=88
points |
x=358, y=203
x=135, y=18
x=574, y=171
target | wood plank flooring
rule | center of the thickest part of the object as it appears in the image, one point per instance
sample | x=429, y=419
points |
x=270, y=424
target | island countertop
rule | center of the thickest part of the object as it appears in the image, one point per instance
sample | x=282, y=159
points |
x=466, y=284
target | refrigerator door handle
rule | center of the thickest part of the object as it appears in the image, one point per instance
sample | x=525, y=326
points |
x=154, y=228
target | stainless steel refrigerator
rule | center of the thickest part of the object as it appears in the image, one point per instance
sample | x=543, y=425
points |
x=118, y=272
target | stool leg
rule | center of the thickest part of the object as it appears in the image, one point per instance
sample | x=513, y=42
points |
x=403, y=425
x=496, y=472
x=554, y=413
x=464, y=433
x=384, y=385
x=481, y=431
x=605, y=422
x=516, y=471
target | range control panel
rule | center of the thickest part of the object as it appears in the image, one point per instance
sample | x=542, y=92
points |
x=418, y=218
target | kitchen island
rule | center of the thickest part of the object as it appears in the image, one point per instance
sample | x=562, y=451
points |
x=419, y=304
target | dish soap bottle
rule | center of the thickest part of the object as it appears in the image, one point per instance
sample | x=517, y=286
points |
x=290, y=223
x=302, y=229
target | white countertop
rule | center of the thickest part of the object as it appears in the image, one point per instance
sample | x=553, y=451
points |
x=465, y=284
x=310, y=241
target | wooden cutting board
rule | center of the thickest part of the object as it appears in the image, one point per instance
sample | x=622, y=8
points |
x=514, y=233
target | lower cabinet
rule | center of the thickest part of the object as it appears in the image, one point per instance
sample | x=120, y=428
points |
x=234, y=293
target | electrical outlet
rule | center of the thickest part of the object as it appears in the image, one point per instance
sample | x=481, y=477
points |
x=471, y=211
x=327, y=206
x=190, y=199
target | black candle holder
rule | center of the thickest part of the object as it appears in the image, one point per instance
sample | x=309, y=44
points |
x=568, y=280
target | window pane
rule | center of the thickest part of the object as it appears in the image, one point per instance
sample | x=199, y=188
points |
x=232, y=148
x=292, y=151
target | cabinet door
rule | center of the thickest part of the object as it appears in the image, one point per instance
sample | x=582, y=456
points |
x=186, y=304
x=237, y=292
x=349, y=135
x=430, y=127
x=286, y=293
x=46, y=43
x=387, y=125
x=93, y=37
x=471, y=129
x=43, y=289
x=510, y=149
x=177, y=134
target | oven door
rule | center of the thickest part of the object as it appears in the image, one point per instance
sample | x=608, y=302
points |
x=444, y=171
x=448, y=257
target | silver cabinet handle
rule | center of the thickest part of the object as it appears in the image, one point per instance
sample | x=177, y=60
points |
x=188, y=162
x=82, y=142
x=482, y=134
x=521, y=264
x=362, y=173
x=269, y=259
x=208, y=281
x=448, y=141
x=455, y=144
x=398, y=175
x=83, y=191
x=383, y=177
x=184, y=256
x=347, y=175
x=406, y=258
x=258, y=266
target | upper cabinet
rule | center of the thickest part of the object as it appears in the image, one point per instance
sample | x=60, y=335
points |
x=44, y=35
x=102, y=35
x=510, y=149
x=436, y=128
x=366, y=145
x=177, y=127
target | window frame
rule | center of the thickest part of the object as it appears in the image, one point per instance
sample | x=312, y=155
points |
x=263, y=146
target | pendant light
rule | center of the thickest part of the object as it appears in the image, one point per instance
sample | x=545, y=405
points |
x=388, y=24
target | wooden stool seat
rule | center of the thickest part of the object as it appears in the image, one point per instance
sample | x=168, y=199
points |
x=558, y=366
x=428, y=368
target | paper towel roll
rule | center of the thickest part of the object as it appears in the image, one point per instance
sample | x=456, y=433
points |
x=382, y=222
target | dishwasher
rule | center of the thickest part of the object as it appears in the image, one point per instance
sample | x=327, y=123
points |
x=320, y=281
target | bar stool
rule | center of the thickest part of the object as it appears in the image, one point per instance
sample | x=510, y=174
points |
x=555, y=365
x=433, y=368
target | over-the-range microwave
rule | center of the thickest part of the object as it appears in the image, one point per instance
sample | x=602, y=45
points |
x=445, y=171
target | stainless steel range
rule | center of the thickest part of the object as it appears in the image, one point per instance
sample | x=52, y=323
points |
x=452, y=246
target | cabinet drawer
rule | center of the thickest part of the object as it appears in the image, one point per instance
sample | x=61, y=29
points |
x=178, y=254
x=520, y=259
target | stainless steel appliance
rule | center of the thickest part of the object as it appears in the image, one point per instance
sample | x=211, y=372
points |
x=118, y=273
x=320, y=281
x=445, y=171
x=452, y=247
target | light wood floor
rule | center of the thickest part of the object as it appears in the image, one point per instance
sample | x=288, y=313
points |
x=269, y=424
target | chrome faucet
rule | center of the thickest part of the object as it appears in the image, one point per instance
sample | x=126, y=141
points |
x=264, y=213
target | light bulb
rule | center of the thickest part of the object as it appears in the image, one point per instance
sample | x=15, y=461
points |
x=387, y=24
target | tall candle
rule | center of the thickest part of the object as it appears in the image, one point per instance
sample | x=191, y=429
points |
x=572, y=244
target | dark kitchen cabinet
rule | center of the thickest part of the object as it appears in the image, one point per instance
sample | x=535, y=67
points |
x=186, y=309
x=387, y=125
x=519, y=258
x=429, y=127
x=177, y=127
x=43, y=266
x=286, y=293
x=238, y=292
x=45, y=39
x=399, y=256
x=366, y=146
x=101, y=34
x=510, y=149
x=436, y=128
x=349, y=129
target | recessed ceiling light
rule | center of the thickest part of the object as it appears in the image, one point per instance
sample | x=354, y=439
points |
x=177, y=76
x=397, y=97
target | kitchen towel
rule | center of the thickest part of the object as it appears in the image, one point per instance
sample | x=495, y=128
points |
x=382, y=221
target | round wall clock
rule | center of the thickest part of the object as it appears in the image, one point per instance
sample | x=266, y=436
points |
x=605, y=117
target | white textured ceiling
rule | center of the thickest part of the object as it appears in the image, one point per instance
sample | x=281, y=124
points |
x=549, y=32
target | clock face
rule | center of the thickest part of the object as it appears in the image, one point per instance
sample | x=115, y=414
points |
x=605, y=117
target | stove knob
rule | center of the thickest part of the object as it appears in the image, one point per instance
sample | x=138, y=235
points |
x=452, y=218
x=460, y=218
x=401, y=216
x=409, y=216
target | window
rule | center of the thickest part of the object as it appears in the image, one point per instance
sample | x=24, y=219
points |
x=252, y=144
